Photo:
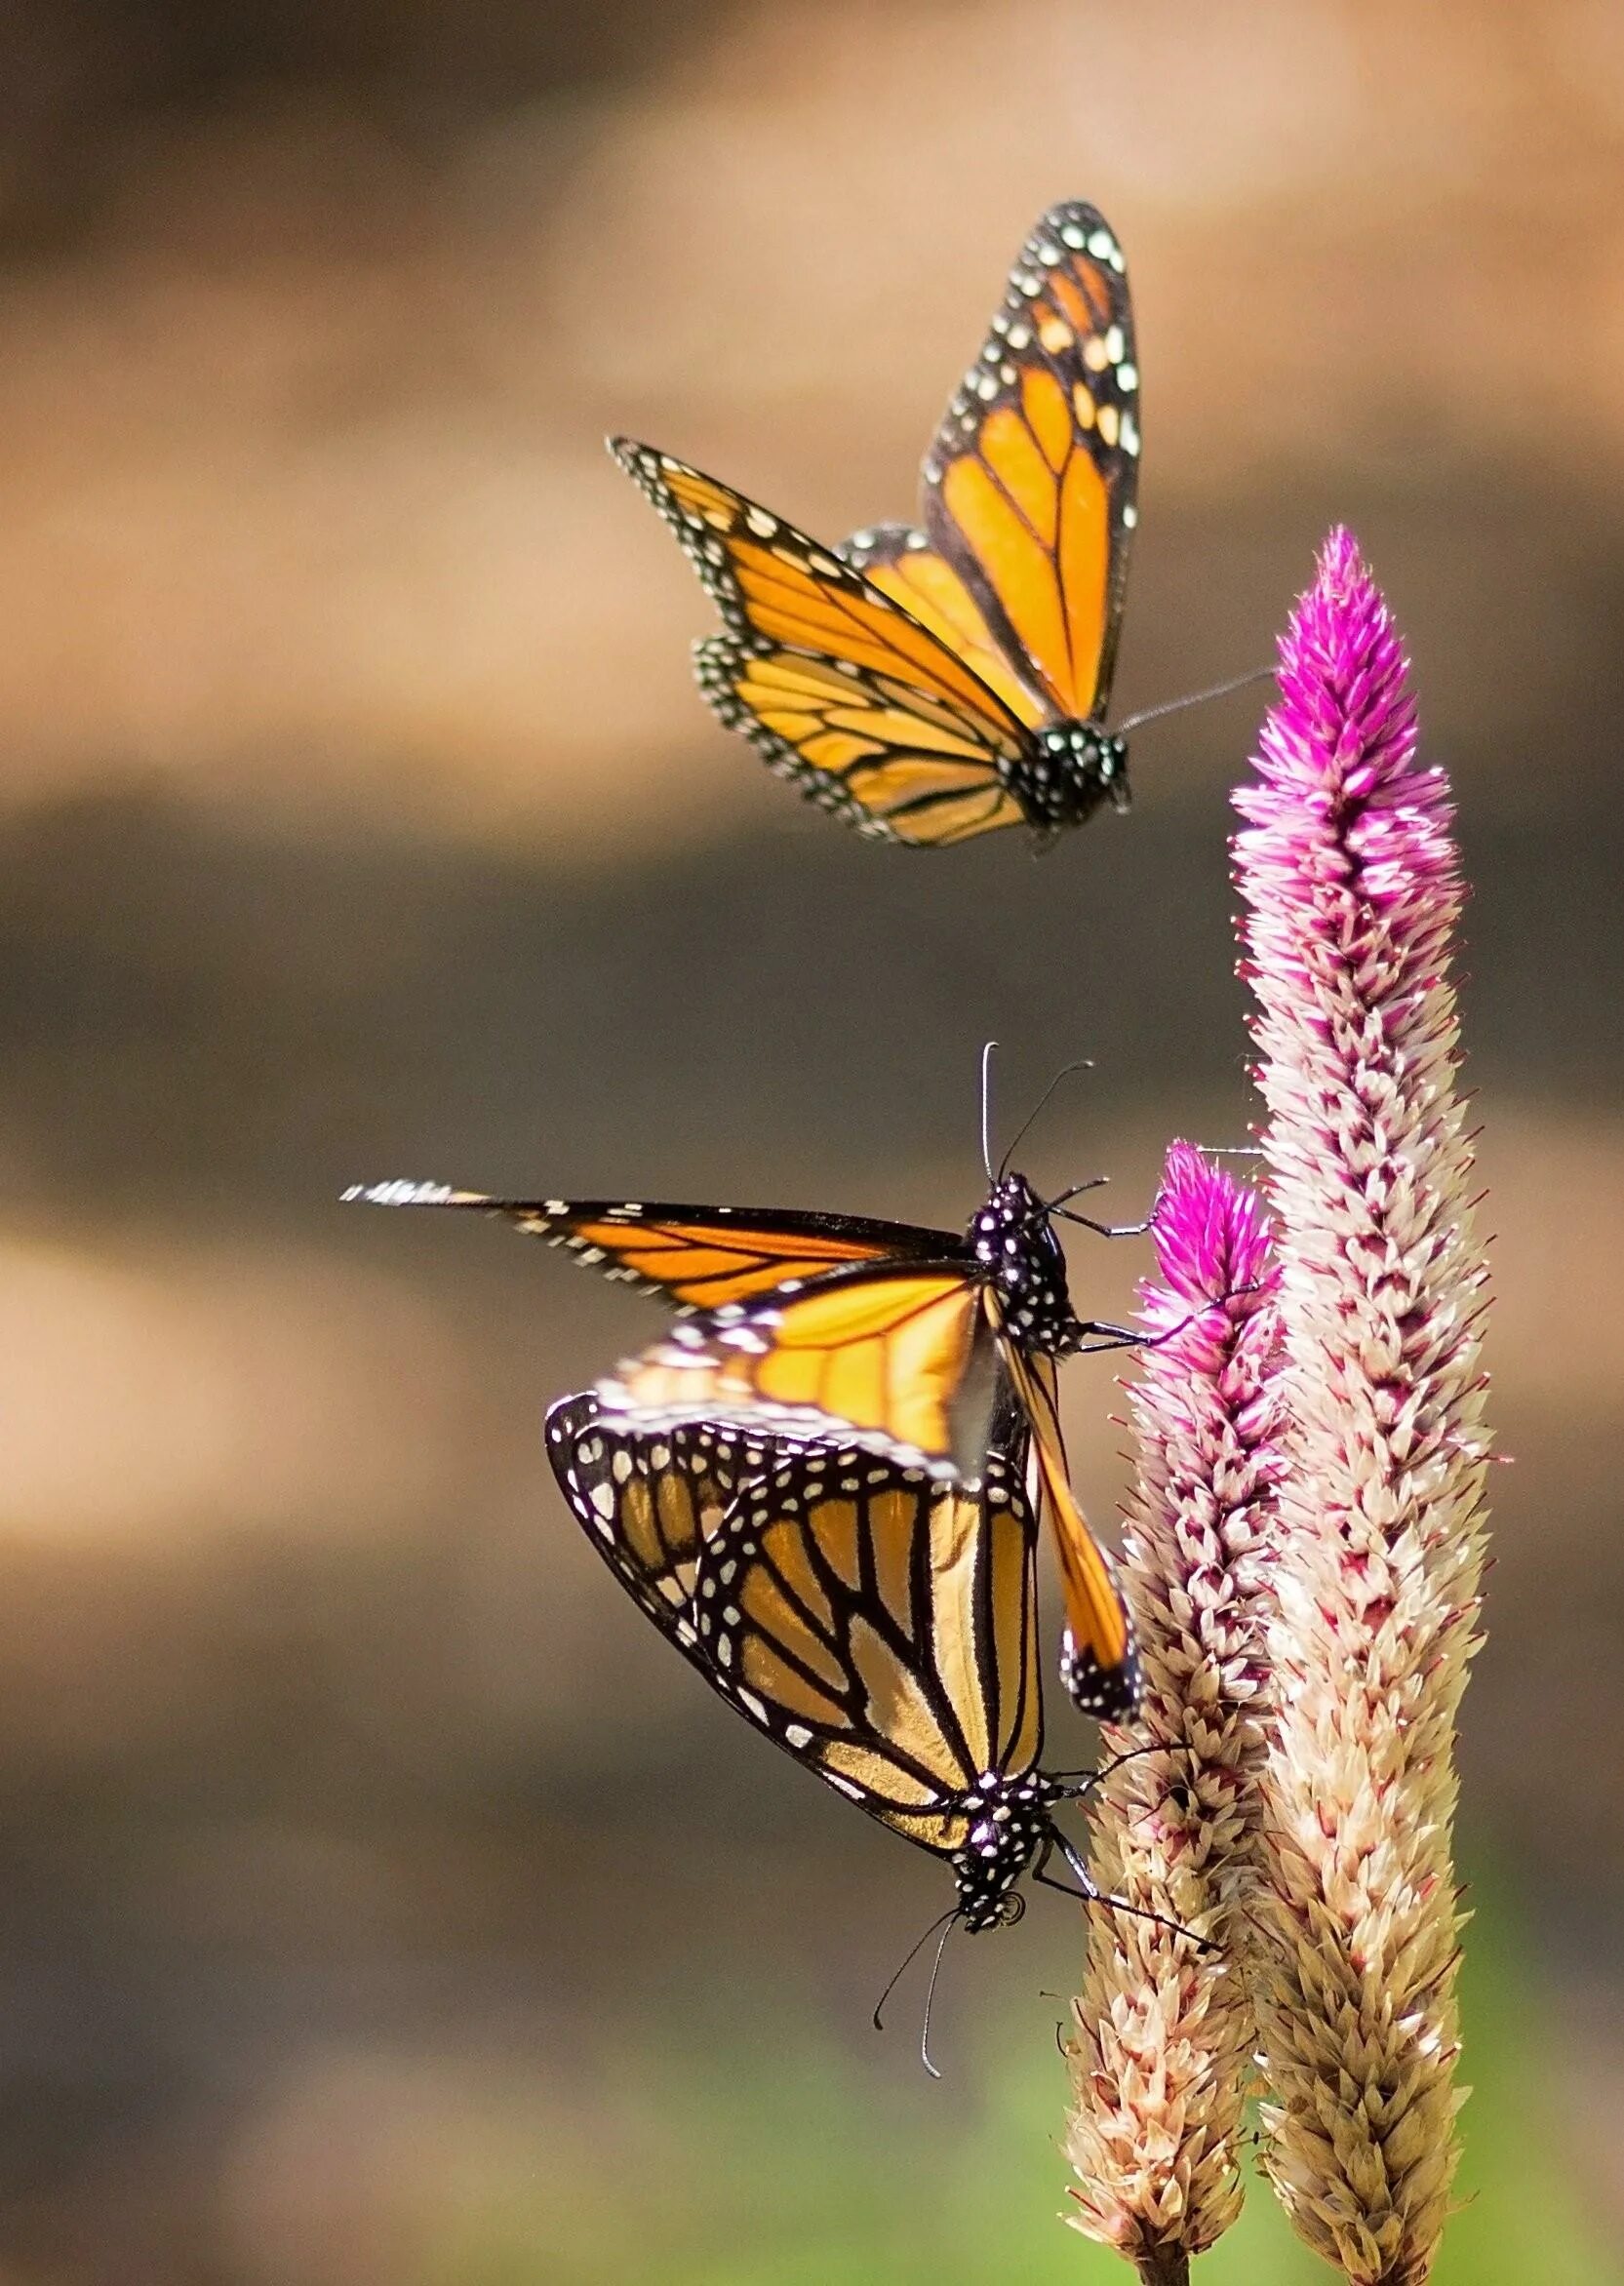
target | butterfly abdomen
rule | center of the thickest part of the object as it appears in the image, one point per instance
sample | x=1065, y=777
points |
x=1010, y=1824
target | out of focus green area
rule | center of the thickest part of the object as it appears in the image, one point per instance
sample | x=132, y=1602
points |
x=379, y=1902
x=764, y=2167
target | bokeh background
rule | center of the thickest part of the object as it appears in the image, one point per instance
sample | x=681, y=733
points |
x=381, y=1904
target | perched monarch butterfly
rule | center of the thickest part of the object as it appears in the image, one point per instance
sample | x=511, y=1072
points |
x=927, y=686
x=879, y=1625
x=896, y=1338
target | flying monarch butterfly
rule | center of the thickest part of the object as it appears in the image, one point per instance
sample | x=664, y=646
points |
x=929, y=684
x=878, y=1624
x=897, y=1338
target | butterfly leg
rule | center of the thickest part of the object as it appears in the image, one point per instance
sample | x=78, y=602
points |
x=1113, y=1229
x=1114, y=1338
x=1124, y=1337
x=1103, y=1230
x=1090, y=1893
x=1077, y=1785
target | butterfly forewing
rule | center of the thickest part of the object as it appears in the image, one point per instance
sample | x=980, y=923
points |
x=696, y=1257
x=873, y=713
x=1030, y=483
x=1100, y=1662
x=774, y=586
x=900, y=561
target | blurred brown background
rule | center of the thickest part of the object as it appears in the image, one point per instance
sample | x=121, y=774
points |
x=367, y=1861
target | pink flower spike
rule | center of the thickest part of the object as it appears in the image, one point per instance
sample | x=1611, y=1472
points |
x=1352, y=886
x=1159, y=2058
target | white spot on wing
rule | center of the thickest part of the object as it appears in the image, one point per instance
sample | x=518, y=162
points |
x=401, y=1193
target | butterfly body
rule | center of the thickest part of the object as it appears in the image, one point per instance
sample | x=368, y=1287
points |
x=929, y=684
x=1071, y=770
x=1014, y=1241
x=1013, y=1825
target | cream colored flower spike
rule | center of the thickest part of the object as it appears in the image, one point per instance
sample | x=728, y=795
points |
x=1353, y=890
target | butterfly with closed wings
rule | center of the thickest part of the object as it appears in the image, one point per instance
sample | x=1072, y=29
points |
x=879, y=1625
x=897, y=1338
x=928, y=685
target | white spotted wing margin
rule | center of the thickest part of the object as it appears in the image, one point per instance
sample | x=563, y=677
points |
x=648, y=1503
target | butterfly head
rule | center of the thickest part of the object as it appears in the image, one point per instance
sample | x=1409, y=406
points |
x=1066, y=772
x=1014, y=1240
x=1009, y=1823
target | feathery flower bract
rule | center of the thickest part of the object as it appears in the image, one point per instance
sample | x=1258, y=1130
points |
x=1352, y=886
x=1159, y=2058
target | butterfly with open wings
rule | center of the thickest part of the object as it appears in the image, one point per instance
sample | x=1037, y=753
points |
x=896, y=1338
x=928, y=685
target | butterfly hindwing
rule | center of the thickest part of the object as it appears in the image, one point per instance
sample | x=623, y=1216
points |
x=895, y=763
x=882, y=1629
x=896, y=1355
x=1030, y=483
x=649, y=1503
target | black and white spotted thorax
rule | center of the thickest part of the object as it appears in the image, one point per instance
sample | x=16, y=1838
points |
x=1014, y=1240
x=1065, y=771
x=1009, y=1823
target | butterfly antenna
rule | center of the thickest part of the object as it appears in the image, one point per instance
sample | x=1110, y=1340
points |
x=1149, y=714
x=907, y=1960
x=929, y=1999
x=987, y=1049
x=1084, y=1063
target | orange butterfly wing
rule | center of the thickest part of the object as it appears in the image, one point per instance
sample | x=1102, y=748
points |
x=698, y=1257
x=864, y=704
x=894, y=1356
x=1030, y=483
x=901, y=563
x=1099, y=1664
